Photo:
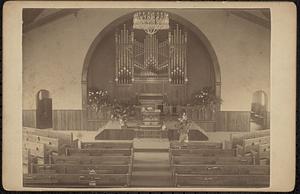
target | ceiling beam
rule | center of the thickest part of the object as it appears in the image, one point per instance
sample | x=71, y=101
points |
x=252, y=18
x=47, y=19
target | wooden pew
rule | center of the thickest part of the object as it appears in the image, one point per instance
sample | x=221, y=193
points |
x=106, y=145
x=80, y=169
x=92, y=160
x=202, y=152
x=222, y=169
x=51, y=144
x=258, y=147
x=264, y=151
x=27, y=159
x=37, y=153
x=183, y=160
x=197, y=180
x=33, y=153
x=36, y=149
x=256, y=141
x=262, y=154
x=196, y=145
x=252, y=144
x=238, y=139
x=100, y=152
x=65, y=139
x=76, y=180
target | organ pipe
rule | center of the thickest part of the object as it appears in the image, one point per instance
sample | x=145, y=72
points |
x=124, y=58
x=185, y=56
x=117, y=54
x=177, y=56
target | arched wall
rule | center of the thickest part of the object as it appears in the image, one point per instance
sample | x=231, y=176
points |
x=201, y=36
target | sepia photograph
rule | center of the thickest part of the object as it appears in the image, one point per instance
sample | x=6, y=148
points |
x=146, y=97
x=132, y=97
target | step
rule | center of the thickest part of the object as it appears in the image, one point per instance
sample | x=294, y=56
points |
x=157, y=150
x=151, y=143
x=151, y=167
x=151, y=181
x=154, y=173
x=151, y=157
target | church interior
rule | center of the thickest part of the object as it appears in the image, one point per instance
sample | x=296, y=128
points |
x=146, y=98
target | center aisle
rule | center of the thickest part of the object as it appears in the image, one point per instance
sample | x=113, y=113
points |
x=151, y=165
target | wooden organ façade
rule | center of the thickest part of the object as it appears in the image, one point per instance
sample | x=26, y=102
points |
x=152, y=64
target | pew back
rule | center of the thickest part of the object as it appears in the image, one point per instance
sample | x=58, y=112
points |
x=197, y=145
x=237, y=139
x=64, y=138
x=100, y=152
x=36, y=149
x=202, y=152
x=77, y=180
x=256, y=141
x=106, y=145
x=222, y=169
x=80, y=169
x=51, y=144
x=196, y=180
x=92, y=160
x=212, y=160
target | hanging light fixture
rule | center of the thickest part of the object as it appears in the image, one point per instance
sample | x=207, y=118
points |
x=151, y=21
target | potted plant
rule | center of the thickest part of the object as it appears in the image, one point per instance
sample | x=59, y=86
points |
x=97, y=98
x=207, y=102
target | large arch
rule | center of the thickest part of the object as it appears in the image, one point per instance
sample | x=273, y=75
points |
x=124, y=18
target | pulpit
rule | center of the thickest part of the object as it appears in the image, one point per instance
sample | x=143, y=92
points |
x=150, y=111
x=150, y=117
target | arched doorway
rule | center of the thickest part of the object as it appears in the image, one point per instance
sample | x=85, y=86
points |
x=43, y=109
x=179, y=19
x=259, y=107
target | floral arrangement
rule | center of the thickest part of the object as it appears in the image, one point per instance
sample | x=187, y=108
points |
x=97, y=98
x=122, y=110
x=184, y=126
x=206, y=98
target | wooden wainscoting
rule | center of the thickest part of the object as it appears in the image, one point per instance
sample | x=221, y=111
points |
x=78, y=120
x=29, y=118
x=65, y=120
x=233, y=121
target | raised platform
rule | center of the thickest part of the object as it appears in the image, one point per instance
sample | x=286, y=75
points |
x=113, y=131
x=130, y=134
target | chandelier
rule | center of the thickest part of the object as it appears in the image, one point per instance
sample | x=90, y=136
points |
x=151, y=21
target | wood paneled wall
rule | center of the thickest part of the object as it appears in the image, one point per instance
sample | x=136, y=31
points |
x=233, y=121
x=66, y=120
x=78, y=120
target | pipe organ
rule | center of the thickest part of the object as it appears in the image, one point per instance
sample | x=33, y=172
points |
x=151, y=58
